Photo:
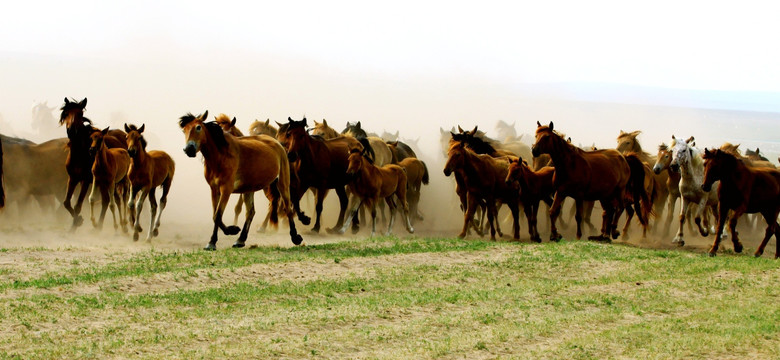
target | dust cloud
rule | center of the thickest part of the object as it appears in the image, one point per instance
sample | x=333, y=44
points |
x=157, y=87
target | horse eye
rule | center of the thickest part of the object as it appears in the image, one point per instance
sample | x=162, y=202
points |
x=197, y=128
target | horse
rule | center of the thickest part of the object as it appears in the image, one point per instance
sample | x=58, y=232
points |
x=662, y=163
x=79, y=162
x=45, y=181
x=400, y=150
x=483, y=181
x=322, y=165
x=388, y=137
x=628, y=143
x=534, y=186
x=755, y=155
x=240, y=165
x=744, y=190
x=109, y=176
x=416, y=176
x=148, y=171
x=43, y=120
x=228, y=125
x=506, y=131
x=324, y=130
x=370, y=184
x=601, y=175
x=688, y=161
x=263, y=128
x=752, y=159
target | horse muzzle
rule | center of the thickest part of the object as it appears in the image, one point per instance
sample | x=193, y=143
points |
x=535, y=151
x=706, y=187
x=447, y=172
x=674, y=167
x=656, y=169
x=190, y=150
x=92, y=151
x=132, y=152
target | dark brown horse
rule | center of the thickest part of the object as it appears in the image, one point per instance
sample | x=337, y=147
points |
x=109, y=177
x=148, y=171
x=322, y=165
x=239, y=165
x=534, y=186
x=484, y=182
x=416, y=176
x=742, y=189
x=370, y=184
x=79, y=161
x=588, y=175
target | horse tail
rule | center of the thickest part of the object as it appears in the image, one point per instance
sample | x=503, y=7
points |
x=274, y=207
x=425, y=178
x=637, y=188
x=283, y=187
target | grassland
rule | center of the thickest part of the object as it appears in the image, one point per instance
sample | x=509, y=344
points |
x=390, y=298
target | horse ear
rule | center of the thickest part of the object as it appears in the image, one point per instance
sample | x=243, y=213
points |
x=127, y=128
x=267, y=121
x=690, y=139
x=673, y=138
x=316, y=123
x=475, y=129
x=304, y=122
x=538, y=124
x=83, y=103
x=622, y=132
x=289, y=119
x=358, y=125
x=460, y=129
x=141, y=129
x=551, y=126
x=105, y=131
x=233, y=123
x=635, y=133
x=278, y=124
x=205, y=116
x=324, y=122
x=66, y=100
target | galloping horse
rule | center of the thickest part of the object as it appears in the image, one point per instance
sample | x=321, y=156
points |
x=483, y=181
x=109, y=176
x=322, y=165
x=46, y=180
x=79, y=161
x=534, y=186
x=588, y=175
x=148, y=170
x=744, y=190
x=755, y=155
x=752, y=159
x=262, y=128
x=370, y=184
x=662, y=163
x=43, y=120
x=688, y=161
x=238, y=165
x=416, y=176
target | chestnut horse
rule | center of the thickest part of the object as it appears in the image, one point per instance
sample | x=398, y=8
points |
x=109, y=176
x=370, y=184
x=416, y=176
x=240, y=165
x=148, y=170
x=79, y=162
x=228, y=125
x=483, y=182
x=601, y=175
x=322, y=165
x=742, y=189
x=534, y=186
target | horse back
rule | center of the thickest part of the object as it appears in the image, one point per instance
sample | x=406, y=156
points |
x=392, y=177
x=260, y=158
x=765, y=190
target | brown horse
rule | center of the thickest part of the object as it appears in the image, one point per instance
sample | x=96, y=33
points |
x=628, y=143
x=650, y=186
x=534, y=186
x=324, y=130
x=400, y=150
x=416, y=176
x=370, y=184
x=744, y=190
x=109, y=176
x=588, y=175
x=79, y=161
x=322, y=165
x=752, y=159
x=238, y=165
x=228, y=125
x=45, y=182
x=262, y=128
x=484, y=181
x=148, y=170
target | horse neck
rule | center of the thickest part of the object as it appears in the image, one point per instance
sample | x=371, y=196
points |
x=564, y=156
x=692, y=172
x=212, y=156
x=141, y=156
x=737, y=177
x=101, y=158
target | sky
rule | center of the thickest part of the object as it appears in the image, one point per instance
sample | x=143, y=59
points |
x=714, y=45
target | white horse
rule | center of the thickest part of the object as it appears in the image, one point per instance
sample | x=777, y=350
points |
x=691, y=166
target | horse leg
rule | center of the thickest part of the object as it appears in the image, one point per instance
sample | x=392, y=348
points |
x=351, y=209
x=341, y=192
x=131, y=209
x=154, y=214
x=515, y=209
x=496, y=221
x=555, y=211
x=629, y=217
x=237, y=209
x=468, y=216
x=163, y=202
x=492, y=217
x=616, y=212
x=670, y=217
x=372, y=210
x=92, y=200
x=771, y=228
x=683, y=212
x=407, y=212
x=139, y=204
x=701, y=210
x=392, y=208
x=249, y=200
x=68, y=195
x=106, y=198
x=318, y=210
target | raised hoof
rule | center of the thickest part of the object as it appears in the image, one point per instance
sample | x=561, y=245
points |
x=615, y=235
x=239, y=244
x=232, y=230
x=305, y=220
x=210, y=247
x=78, y=221
x=297, y=239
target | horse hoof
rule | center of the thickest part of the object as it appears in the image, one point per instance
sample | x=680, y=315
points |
x=354, y=230
x=305, y=220
x=155, y=232
x=681, y=243
x=210, y=247
x=135, y=236
x=757, y=255
x=738, y=248
x=536, y=239
x=232, y=230
x=410, y=230
x=297, y=239
x=554, y=238
x=78, y=221
x=239, y=244
x=711, y=254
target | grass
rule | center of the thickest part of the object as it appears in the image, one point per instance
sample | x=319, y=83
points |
x=399, y=298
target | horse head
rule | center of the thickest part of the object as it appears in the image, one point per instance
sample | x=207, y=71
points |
x=355, y=130
x=716, y=163
x=627, y=141
x=515, y=171
x=72, y=113
x=195, y=131
x=294, y=135
x=97, y=141
x=456, y=156
x=355, y=162
x=135, y=141
x=545, y=139
x=664, y=159
x=682, y=154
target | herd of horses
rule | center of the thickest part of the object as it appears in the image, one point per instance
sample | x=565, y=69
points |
x=384, y=175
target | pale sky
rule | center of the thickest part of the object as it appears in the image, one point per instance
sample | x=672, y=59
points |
x=721, y=45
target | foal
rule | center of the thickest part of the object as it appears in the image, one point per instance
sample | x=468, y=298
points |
x=148, y=170
x=534, y=186
x=109, y=176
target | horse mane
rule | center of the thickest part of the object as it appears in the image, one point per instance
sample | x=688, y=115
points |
x=67, y=107
x=186, y=119
x=216, y=133
x=663, y=147
x=368, y=151
x=731, y=149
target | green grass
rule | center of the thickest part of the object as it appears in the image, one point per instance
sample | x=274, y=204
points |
x=400, y=298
